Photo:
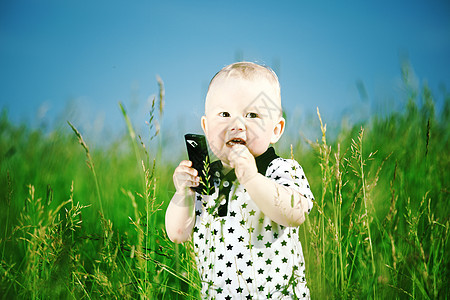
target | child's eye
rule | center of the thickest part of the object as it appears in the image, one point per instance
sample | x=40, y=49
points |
x=224, y=114
x=251, y=115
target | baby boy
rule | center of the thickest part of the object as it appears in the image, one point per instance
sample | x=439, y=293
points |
x=245, y=234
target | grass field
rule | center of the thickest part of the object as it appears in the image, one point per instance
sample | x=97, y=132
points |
x=81, y=223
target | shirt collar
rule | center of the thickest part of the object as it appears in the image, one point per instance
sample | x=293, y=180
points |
x=262, y=163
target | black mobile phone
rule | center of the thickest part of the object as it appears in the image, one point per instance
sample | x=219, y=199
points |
x=198, y=154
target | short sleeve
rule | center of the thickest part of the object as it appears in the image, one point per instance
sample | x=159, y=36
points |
x=289, y=173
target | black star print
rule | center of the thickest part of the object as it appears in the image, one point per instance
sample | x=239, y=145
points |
x=260, y=288
x=260, y=254
x=241, y=239
x=285, y=277
x=232, y=214
x=269, y=279
x=268, y=262
x=230, y=230
x=268, y=227
x=249, y=297
x=283, y=243
x=219, y=274
x=249, y=280
x=220, y=256
x=284, y=260
x=201, y=236
x=249, y=263
x=228, y=281
x=260, y=237
x=195, y=229
x=260, y=271
x=219, y=290
x=229, y=264
x=240, y=255
x=198, y=212
x=228, y=297
x=268, y=244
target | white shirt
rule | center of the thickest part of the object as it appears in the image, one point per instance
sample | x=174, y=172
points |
x=244, y=254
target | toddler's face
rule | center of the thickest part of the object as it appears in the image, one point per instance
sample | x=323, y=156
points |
x=241, y=111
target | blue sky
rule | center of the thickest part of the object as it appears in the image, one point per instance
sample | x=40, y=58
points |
x=75, y=60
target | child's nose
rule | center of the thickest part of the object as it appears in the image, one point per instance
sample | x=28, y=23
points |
x=238, y=124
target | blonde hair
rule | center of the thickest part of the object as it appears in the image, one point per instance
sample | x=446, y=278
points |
x=249, y=71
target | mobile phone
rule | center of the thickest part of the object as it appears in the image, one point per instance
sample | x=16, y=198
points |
x=198, y=153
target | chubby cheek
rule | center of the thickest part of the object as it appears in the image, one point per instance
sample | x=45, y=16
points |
x=259, y=140
x=216, y=141
x=258, y=147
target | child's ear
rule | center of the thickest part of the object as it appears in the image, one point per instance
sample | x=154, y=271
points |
x=278, y=131
x=204, y=125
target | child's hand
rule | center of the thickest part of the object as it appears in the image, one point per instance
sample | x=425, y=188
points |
x=185, y=177
x=243, y=162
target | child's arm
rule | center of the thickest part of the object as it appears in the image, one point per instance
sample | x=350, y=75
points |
x=283, y=205
x=180, y=216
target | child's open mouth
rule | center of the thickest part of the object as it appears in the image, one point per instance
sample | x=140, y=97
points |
x=236, y=141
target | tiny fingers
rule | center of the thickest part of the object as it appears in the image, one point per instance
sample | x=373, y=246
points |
x=186, y=163
x=185, y=166
x=185, y=176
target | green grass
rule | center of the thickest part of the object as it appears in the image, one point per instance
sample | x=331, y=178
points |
x=87, y=224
